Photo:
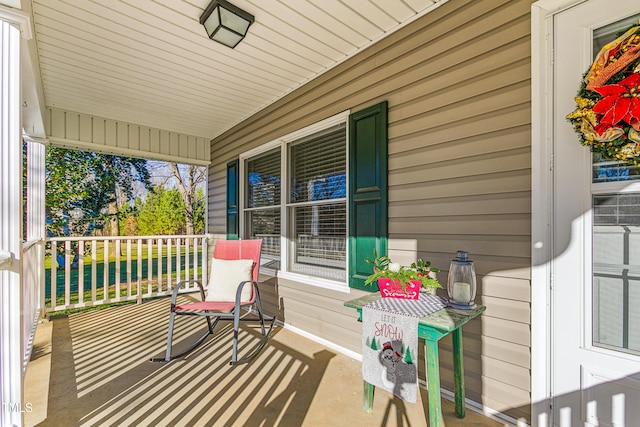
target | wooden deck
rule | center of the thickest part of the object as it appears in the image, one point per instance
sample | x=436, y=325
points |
x=93, y=369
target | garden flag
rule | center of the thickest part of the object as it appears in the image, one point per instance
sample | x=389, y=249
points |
x=390, y=343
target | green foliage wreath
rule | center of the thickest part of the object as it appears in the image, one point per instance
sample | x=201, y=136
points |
x=607, y=116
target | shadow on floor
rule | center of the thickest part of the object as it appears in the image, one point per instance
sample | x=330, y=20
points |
x=101, y=375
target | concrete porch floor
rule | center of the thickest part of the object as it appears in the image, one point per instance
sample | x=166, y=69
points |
x=93, y=369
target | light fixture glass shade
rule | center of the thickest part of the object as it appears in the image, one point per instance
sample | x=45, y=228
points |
x=211, y=24
x=226, y=37
x=461, y=285
x=234, y=22
x=226, y=23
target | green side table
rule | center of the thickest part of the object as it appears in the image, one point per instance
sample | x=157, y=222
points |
x=432, y=328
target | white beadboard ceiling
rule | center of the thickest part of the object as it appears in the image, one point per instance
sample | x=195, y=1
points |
x=149, y=62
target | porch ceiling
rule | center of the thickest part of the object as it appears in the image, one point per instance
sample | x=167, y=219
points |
x=150, y=62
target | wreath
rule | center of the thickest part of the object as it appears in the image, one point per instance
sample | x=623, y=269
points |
x=608, y=102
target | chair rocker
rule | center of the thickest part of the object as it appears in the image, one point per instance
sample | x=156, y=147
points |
x=233, y=286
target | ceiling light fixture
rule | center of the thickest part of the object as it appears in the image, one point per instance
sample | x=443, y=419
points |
x=226, y=23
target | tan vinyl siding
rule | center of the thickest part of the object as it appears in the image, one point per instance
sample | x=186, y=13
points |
x=83, y=132
x=458, y=86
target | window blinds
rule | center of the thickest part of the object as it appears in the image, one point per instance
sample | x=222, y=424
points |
x=319, y=166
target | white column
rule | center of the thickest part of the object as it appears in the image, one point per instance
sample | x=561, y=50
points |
x=36, y=152
x=14, y=25
x=11, y=386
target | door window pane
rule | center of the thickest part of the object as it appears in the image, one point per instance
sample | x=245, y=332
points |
x=616, y=271
x=609, y=170
x=616, y=241
x=606, y=34
x=613, y=171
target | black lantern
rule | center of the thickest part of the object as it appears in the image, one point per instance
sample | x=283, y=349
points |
x=461, y=285
x=226, y=23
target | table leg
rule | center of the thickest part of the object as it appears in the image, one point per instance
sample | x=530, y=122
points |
x=458, y=372
x=367, y=396
x=433, y=380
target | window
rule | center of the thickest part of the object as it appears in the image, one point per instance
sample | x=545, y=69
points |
x=295, y=200
x=316, y=208
x=616, y=271
x=615, y=197
x=263, y=199
x=317, y=222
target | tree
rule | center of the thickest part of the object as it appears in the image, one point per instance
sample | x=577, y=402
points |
x=84, y=188
x=66, y=177
x=128, y=218
x=188, y=178
x=199, y=212
x=162, y=213
x=117, y=177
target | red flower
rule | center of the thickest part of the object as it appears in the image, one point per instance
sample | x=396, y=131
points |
x=621, y=102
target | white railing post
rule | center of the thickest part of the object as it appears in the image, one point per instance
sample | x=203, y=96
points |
x=195, y=258
x=105, y=270
x=186, y=259
x=139, y=273
x=53, y=286
x=160, y=264
x=169, y=264
x=94, y=269
x=81, y=272
x=149, y=266
x=178, y=260
x=129, y=278
x=206, y=242
x=67, y=272
x=118, y=268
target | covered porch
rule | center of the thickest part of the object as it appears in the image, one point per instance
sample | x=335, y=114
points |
x=93, y=368
x=127, y=85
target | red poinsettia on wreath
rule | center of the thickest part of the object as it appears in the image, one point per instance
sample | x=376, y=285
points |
x=621, y=102
x=608, y=113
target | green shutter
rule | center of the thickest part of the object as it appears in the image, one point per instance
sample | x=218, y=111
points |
x=233, y=194
x=367, y=191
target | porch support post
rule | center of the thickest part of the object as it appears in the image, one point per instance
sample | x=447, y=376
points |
x=11, y=336
x=36, y=219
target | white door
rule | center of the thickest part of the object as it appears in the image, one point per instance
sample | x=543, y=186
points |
x=595, y=306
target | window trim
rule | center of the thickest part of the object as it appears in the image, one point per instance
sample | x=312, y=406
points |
x=283, y=144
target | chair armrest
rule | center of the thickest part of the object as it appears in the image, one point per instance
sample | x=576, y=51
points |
x=176, y=290
x=241, y=286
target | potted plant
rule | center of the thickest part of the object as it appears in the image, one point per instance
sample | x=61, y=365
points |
x=396, y=281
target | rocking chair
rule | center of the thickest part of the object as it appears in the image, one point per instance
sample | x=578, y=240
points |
x=233, y=285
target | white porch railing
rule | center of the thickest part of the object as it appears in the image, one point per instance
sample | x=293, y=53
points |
x=31, y=279
x=30, y=310
x=5, y=258
x=89, y=271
